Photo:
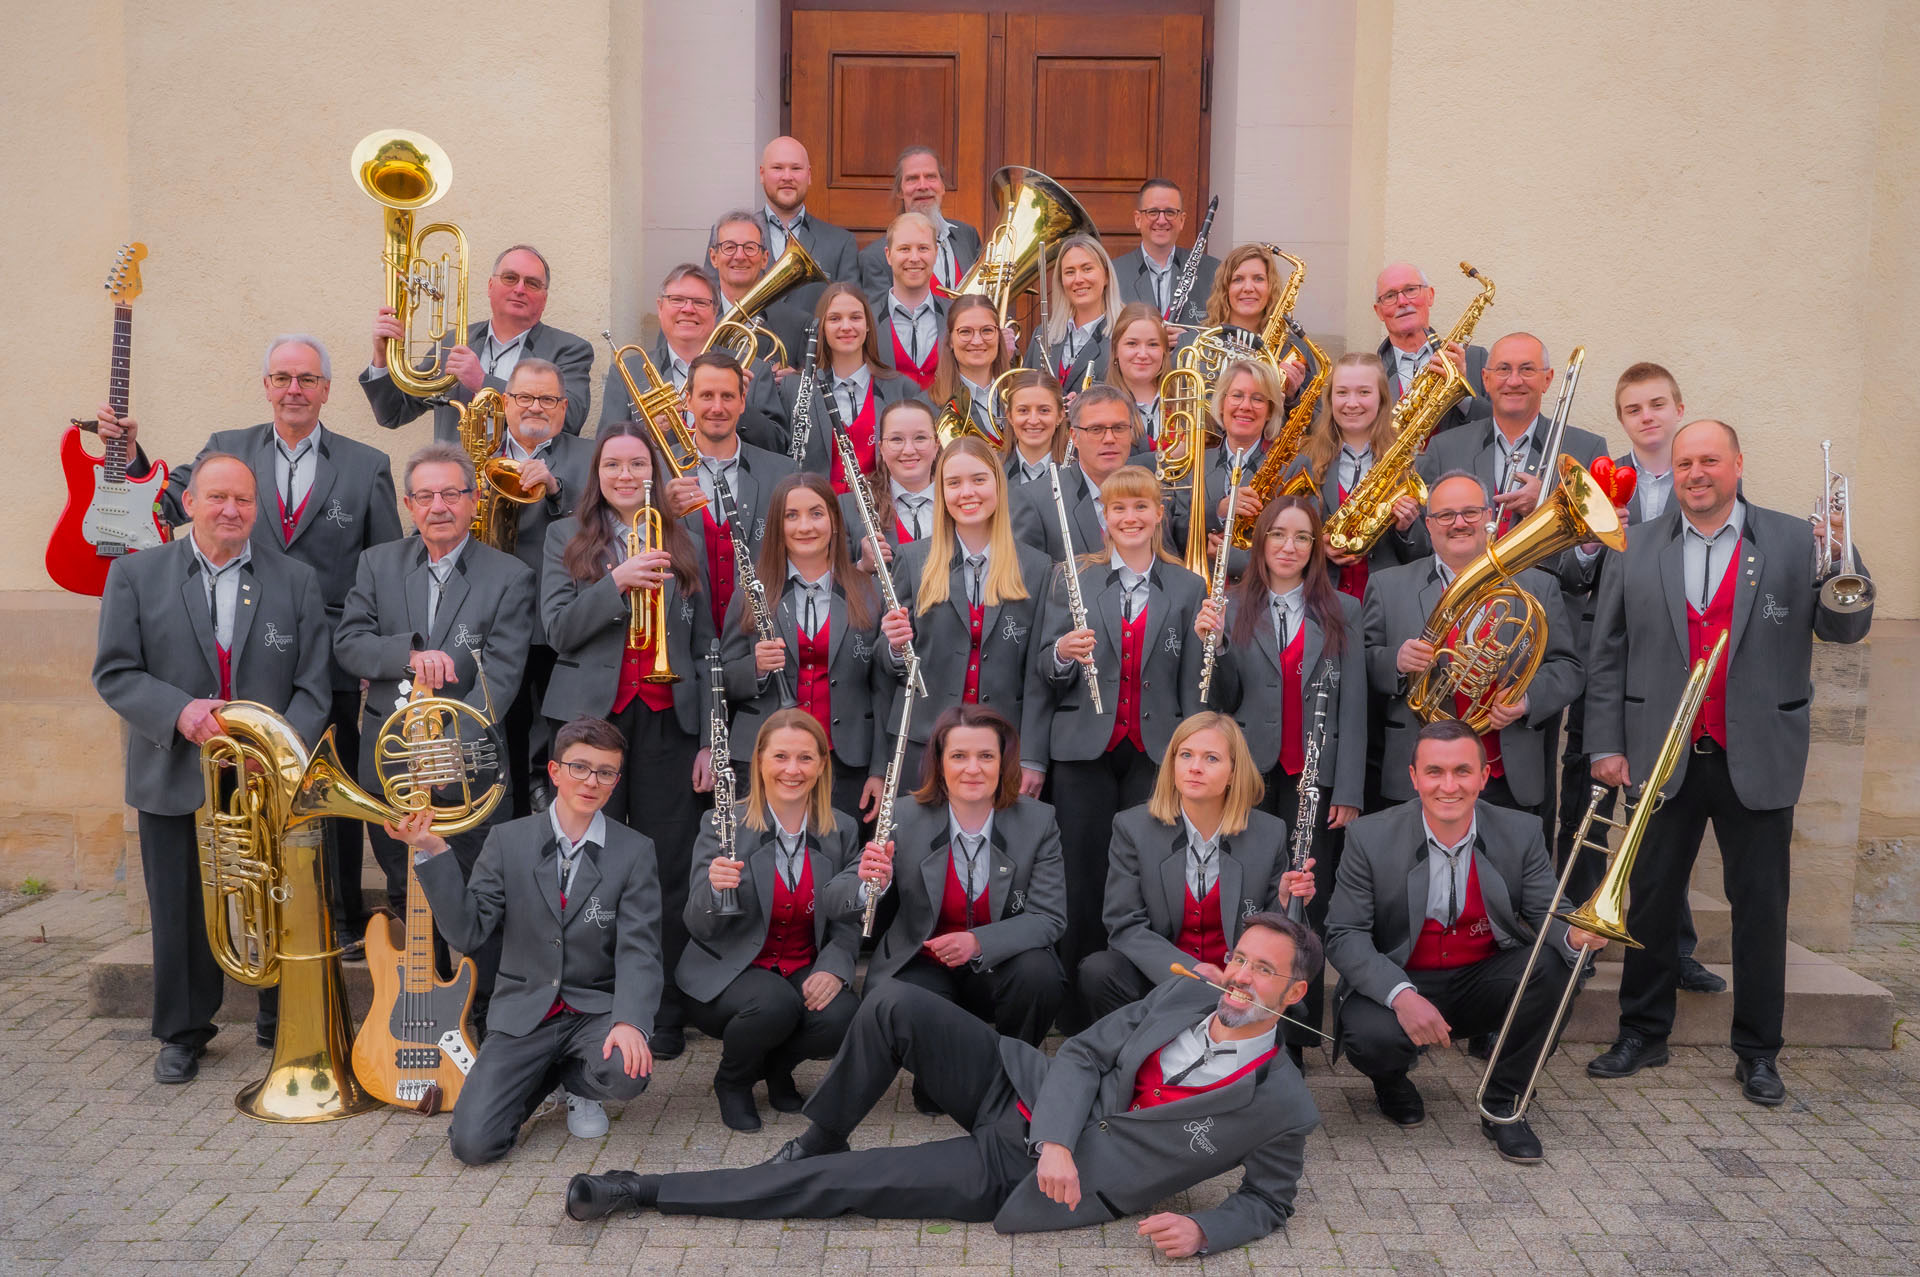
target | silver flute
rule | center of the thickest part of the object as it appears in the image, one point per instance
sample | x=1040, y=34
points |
x=863, y=497
x=889, y=790
x=1218, y=593
x=1076, y=603
x=723, y=782
x=803, y=401
x=1309, y=813
x=1190, y=273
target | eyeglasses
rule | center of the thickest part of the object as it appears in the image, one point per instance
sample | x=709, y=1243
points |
x=513, y=279
x=1263, y=970
x=581, y=771
x=1410, y=293
x=1526, y=372
x=307, y=380
x=1162, y=214
x=1105, y=432
x=677, y=301
x=448, y=495
x=1472, y=514
x=737, y=248
x=1302, y=539
x=545, y=401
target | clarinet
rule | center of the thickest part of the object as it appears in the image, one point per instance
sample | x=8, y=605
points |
x=803, y=401
x=1218, y=593
x=1309, y=813
x=1076, y=604
x=745, y=578
x=863, y=497
x=722, y=753
x=889, y=788
x=1190, y=273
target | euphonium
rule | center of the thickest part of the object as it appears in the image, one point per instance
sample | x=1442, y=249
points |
x=1488, y=634
x=496, y=479
x=407, y=171
x=647, y=609
x=263, y=880
x=740, y=332
x=1038, y=213
x=1364, y=517
x=663, y=411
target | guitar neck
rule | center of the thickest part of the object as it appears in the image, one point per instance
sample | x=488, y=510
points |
x=119, y=377
x=420, y=969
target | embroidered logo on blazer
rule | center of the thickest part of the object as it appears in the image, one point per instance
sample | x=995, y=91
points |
x=274, y=639
x=464, y=637
x=1249, y=907
x=1774, y=612
x=1200, y=1131
x=760, y=530
x=1173, y=641
x=1013, y=633
x=686, y=612
x=593, y=913
x=862, y=650
x=1017, y=902
x=337, y=516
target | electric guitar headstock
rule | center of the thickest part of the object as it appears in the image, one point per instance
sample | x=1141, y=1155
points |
x=123, y=281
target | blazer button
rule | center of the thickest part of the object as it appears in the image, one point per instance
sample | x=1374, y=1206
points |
x=1103, y=1126
x=556, y=942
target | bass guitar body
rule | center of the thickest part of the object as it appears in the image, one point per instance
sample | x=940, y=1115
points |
x=415, y=1046
x=106, y=517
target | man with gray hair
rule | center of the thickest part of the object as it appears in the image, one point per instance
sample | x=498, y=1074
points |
x=920, y=184
x=331, y=498
x=1403, y=300
x=736, y=252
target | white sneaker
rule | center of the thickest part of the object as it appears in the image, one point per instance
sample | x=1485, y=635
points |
x=546, y=1107
x=586, y=1119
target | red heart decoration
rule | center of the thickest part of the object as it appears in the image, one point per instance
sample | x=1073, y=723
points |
x=1602, y=472
x=1625, y=480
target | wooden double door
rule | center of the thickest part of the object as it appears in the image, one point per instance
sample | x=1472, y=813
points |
x=1099, y=96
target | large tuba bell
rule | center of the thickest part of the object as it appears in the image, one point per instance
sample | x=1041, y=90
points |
x=1038, y=212
x=740, y=333
x=406, y=171
x=1488, y=634
x=264, y=892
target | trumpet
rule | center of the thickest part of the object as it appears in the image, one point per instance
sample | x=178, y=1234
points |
x=1605, y=913
x=406, y=171
x=647, y=609
x=1843, y=587
x=664, y=412
x=742, y=331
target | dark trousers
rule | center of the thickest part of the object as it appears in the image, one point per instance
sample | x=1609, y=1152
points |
x=1755, y=874
x=956, y=1060
x=1108, y=980
x=764, y=1028
x=393, y=855
x=1282, y=799
x=1086, y=797
x=188, y=985
x=1019, y=997
x=655, y=796
x=1474, y=1000
x=848, y=781
x=346, y=839
x=1592, y=868
x=528, y=737
x=512, y=1074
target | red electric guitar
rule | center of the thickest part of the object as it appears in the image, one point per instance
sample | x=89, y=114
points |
x=107, y=514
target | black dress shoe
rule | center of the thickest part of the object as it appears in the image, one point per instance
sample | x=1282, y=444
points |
x=1399, y=1100
x=667, y=1044
x=1695, y=978
x=737, y=1108
x=782, y=1093
x=263, y=1036
x=1760, y=1081
x=1515, y=1140
x=1480, y=1045
x=796, y=1150
x=1627, y=1057
x=598, y=1196
x=177, y=1063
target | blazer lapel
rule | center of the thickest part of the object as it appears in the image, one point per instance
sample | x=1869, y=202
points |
x=999, y=873
x=837, y=622
x=1430, y=592
x=452, y=595
x=763, y=863
x=1156, y=612
x=246, y=601
x=324, y=474
x=586, y=878
x=1748, y=561
x=1229, y=880
x=1265, y=639
x=1173, y=873
x=957, y=592
x=415, y=585
x=1112, y=604
x=1309, y=656
x=1673, y=578
x=193, y=599
x=933, y=868
x=546, y=874
x=1418, y=881
x=1493, y=893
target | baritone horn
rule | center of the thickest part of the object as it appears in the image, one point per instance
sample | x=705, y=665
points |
x=1605, y=913
x=740, y=333
x=426, y=279
x=1038, y=214
x=647, y=609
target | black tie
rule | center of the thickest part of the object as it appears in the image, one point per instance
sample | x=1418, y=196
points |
x=1208, y=1053
x=977, y=565
x=902, y=315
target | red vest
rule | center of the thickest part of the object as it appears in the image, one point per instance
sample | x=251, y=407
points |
x=1202, y=937
x=920, y=374
x=1353, y=576
x=815, y=693
x=634, y=662
x=226, y=671
x=1703, y=631
x=289, y=522
x=1293, y=727
x=1150, y=1090
x=970, y=694
x=955, y=914
x=719, y=564
x=860, y=434
x=789, y=947
x=1467, y=941
x=1126, y=715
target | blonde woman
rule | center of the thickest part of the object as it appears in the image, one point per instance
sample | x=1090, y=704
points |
x=1083, y=306
x=1353, y=430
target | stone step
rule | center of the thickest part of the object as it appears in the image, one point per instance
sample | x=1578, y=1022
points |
x=120, y=983
x=1712, y=920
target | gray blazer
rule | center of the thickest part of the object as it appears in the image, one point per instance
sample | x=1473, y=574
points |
x=1036, y=521
x=1395, y=610
x=1471, y=448
x=486, y=610
x=1462, y=412
x=1247, y=679
x=570, y=458
x=753, y=485
x=719, y=948
x=156, y=652
x=1640, y=656
x=855, y=686
x=885, y=388
x=763, y=424
x=1380, y=890
x=833, y=249
x=586, y=622
x=1135, y=281
x=1147, y=884
x=1098, y=353
x=1066, y=726
x=877, y=277
x=573, y=355
x=1026, y=885
x=1129, y=1160
x=601, y=953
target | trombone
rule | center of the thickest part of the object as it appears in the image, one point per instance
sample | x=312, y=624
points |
x=647, y=609
x=663, y=411
x=1605, y=913
x=405, y=171
x=1843, y=587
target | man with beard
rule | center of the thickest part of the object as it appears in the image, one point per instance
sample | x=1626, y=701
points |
x=920, y=186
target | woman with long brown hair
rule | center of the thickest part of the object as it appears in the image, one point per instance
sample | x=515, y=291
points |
x=1353, y=429
x=973, y=352
x=1245, y=290
x=852, y=375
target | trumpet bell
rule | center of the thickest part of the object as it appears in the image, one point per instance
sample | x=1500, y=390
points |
x=401, y=169
x=1847, y=592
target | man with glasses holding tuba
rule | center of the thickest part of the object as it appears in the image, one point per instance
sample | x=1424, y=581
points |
x=207, y=618
x=738, y=259
x=428, y=616
x=517, y=293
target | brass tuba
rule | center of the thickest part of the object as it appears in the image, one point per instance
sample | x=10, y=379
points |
x=406, y=171
x=264, y=894
x=1488, y=634
x=483, y=432
x=740, y=332
x=1039, y=213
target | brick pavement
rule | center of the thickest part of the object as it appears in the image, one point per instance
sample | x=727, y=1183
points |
x=103, y=1171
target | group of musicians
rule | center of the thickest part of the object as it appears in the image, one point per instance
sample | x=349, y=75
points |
x=1073, y=815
